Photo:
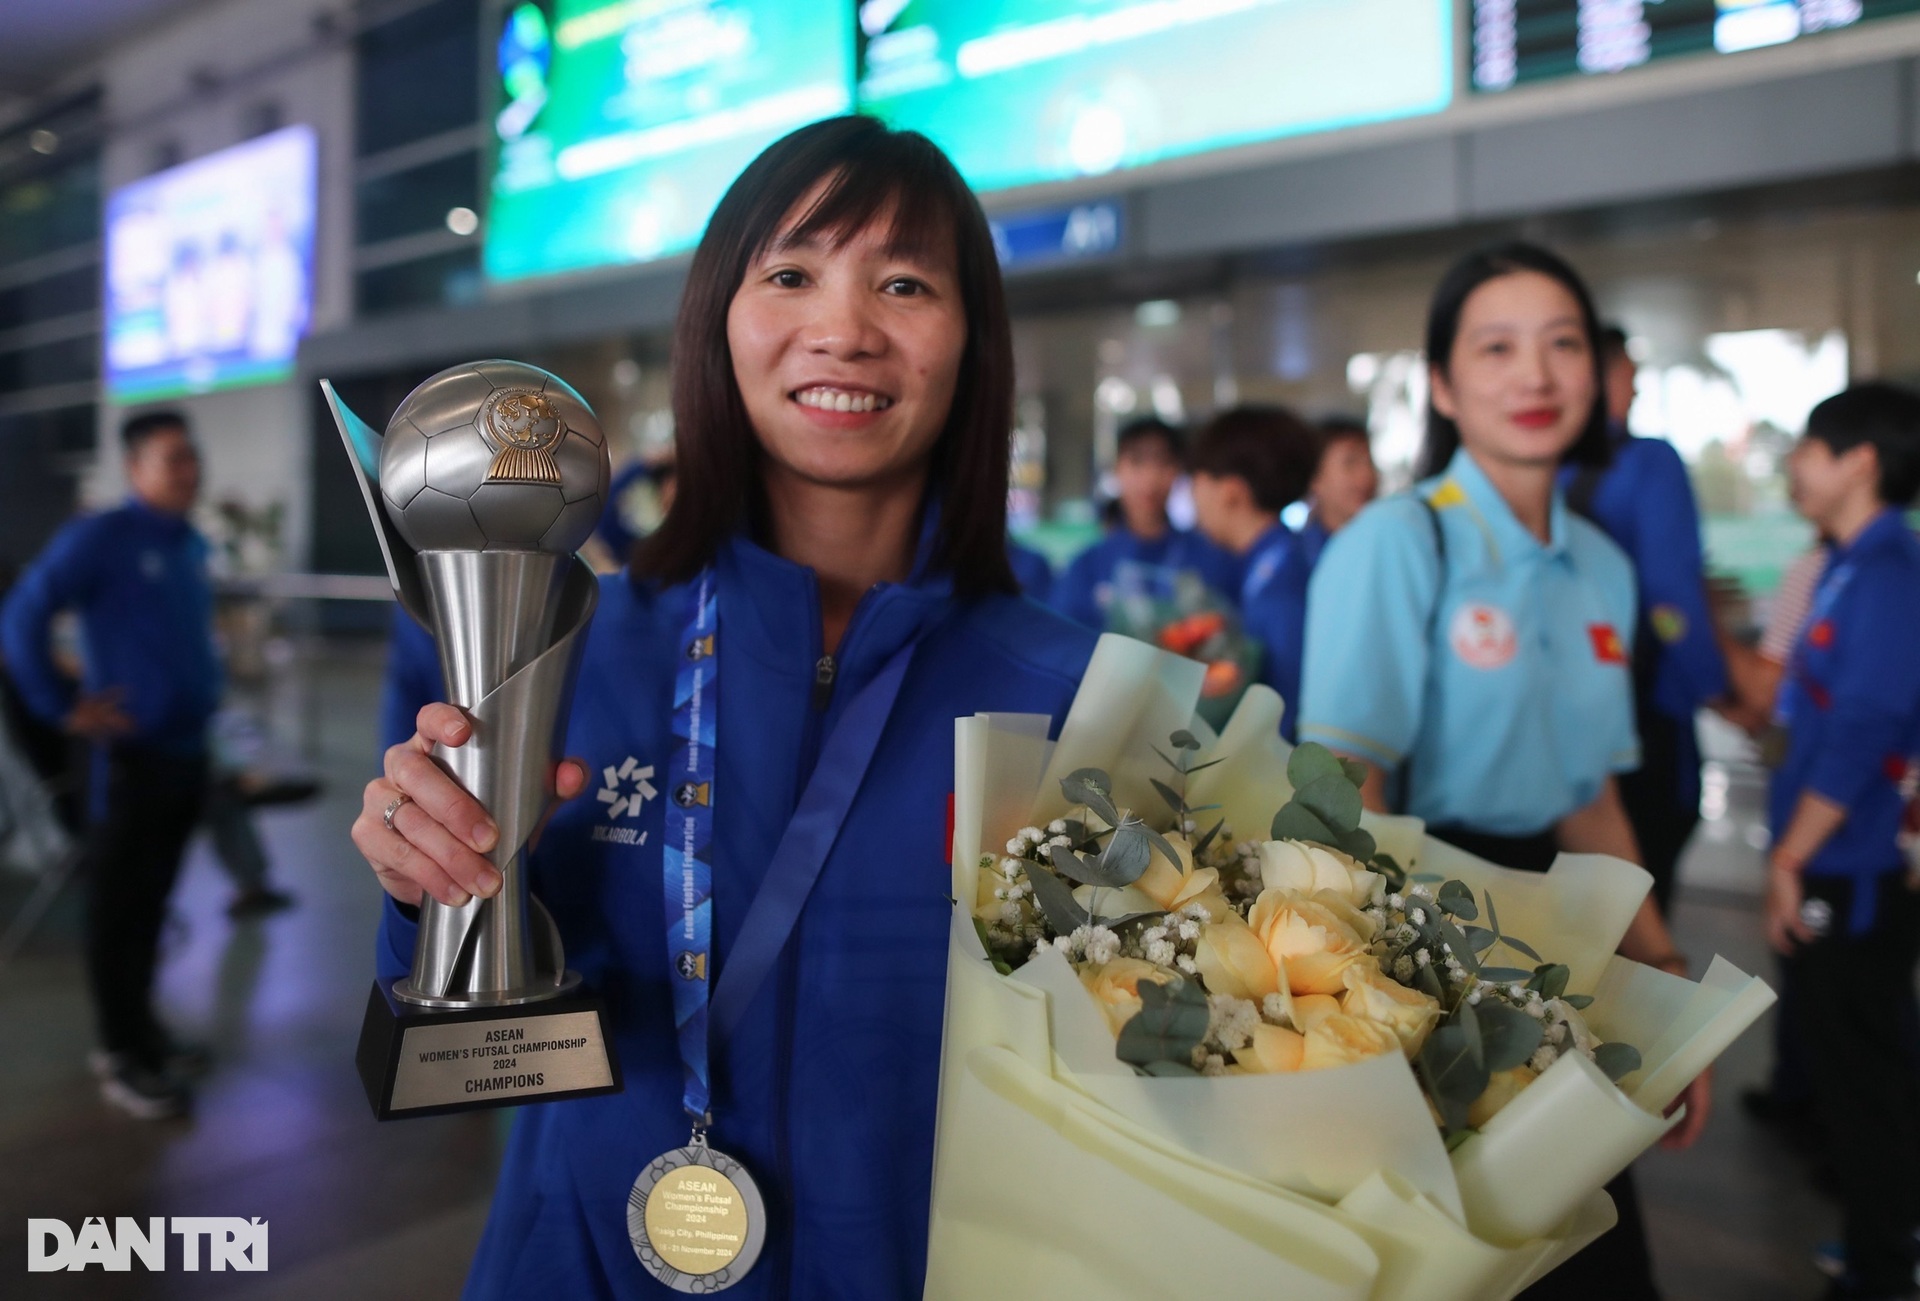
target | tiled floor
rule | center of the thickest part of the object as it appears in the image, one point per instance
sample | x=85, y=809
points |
x=376, y=1211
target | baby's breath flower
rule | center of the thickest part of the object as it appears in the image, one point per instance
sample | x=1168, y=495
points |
x=1016, y=846
x=1189, y=930
x=1274, y=1008
x=1419, y=917
x=1187, y=965
x=1543, y=1057
x=1215, y=1064
x=1160, y=952
x=1057, y=826
x=1060, y=840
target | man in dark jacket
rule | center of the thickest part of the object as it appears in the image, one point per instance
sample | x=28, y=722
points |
x=136, y=577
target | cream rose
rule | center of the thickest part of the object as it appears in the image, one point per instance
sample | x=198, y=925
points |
x=1310, y=1010
x=1374, y=996
x=1232, y=960
x=1173, y=888
x=1275, y=1050
x=1115, y=986
x=1309, y=940
x=1309, y=869
x=1503, y=1088
x=1342, y=1040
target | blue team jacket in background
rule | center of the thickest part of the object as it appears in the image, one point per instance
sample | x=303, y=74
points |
x=1083, y=591
x=1273, y=608
x=827, y=1090
x=138, y=580
x=1851, y=703
x=1031, y=570
x=1644, y=502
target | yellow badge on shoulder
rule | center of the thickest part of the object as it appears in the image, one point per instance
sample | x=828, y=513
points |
x=1669, y=623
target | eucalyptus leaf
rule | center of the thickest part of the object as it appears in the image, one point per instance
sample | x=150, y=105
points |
x=1457, y=899
x=1332, y=799
x=1550, y=979
x=1309, y=762
x=1578, y=1002
x=1295, y=822
x=986, y=942
x=1456, y=1075
x=1160, y=843
x=1355, y=770
x=1479, y=937
x=1166, y=758
x=1424, y=878
x=1167, y=1069
x=1174, y=799
x=1056, y=901
x=1493, y=916
x=1505, y=975
x=1076, y=867
x=1184, y=740
x=1469, y=1020
x=1427, y=980
x=1202, y=767
x=1171, y=1023
x=1128, y=855
x=1207, y=839
x=1093, y=788
x=1521, y=946
x=1617, y=1060
x=1357, y=844
x=1508, y=1035
x=1454, y=940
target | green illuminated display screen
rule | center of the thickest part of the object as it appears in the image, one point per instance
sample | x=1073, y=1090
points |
x=622, y=122
x=1022, y=91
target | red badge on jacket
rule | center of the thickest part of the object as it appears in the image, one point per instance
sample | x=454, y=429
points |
x=1821, y=635
x=1607, y=646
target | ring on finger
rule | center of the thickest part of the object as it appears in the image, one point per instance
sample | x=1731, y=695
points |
x=393, y=807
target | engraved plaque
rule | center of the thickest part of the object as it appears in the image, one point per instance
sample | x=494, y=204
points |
x=494, y=1061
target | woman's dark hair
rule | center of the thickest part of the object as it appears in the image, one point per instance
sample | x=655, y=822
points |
x=1886, y=416
x=871, y=173
x=1146, y=429
x=1270, y=448
x=1443, y=326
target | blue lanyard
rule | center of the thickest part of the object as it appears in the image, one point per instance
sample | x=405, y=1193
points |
x=1263, y=565
x=687, y=852
x=1832, y=583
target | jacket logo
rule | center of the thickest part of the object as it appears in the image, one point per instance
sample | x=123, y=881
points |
x=1483, y=636
x=627, y=789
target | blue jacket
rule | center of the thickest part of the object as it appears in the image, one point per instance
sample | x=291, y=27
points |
x=1274, y=609
x=1644, y=502
x=1083, y=592
x=1851, y=703
x=826, y=1092
x=1033, y=571
x=138, y=580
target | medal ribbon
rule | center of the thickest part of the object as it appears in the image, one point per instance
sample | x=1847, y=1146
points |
x=687, y=853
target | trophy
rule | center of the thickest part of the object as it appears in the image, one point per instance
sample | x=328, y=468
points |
x=488, y=479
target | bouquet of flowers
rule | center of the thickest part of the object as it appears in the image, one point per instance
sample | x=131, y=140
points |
x=1209, y=1023
x=1176, y=611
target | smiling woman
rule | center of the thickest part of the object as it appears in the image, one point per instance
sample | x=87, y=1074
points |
x=830, y=591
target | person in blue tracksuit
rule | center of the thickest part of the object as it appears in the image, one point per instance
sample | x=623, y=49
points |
x=1145, y=551
x=1249, y=464
x=137, y=578
x=1470, y=638
x=1841, y=904
x=1033, y=571
x=846, y=260
x=1644, y=501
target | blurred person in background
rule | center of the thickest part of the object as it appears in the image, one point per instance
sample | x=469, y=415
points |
x=1642, y=499
x=1248, y=465
x=1841, y=904
x=1144, y=550
x=1469, y=639
x=137, y=578
x=1343, y=483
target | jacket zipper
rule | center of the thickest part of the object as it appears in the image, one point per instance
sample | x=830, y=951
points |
x=826, y=671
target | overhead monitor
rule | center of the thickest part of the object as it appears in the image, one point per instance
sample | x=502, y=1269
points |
x=622, y=122
x=1517, y=41
x=1025, y=91
x=209, y=271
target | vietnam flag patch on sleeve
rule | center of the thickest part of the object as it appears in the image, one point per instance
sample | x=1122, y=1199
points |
x=1607, y=646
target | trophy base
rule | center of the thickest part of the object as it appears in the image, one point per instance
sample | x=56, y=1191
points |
x=421, y=1061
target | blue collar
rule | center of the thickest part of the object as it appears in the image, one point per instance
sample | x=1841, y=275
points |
x=163, y=521
x=1889, y=525
x=1504, y=530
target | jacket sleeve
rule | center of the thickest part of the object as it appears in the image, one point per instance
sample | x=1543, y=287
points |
x=60, y=578
x=1369, y=604
x=1672, y=573
x=413, y=679
x=393, y=953
x=1874, y=690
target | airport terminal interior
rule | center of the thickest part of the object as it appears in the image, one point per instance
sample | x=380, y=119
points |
x=212, y=206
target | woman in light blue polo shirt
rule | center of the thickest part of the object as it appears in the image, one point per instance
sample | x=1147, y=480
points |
x=1470, y=640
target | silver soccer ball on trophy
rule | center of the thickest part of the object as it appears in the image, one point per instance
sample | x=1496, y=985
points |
x=494, y=456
